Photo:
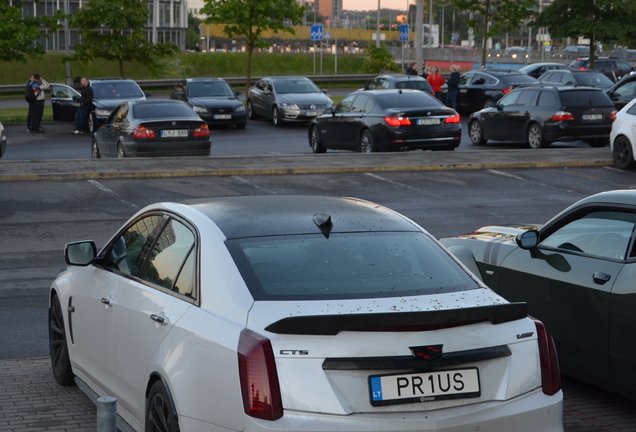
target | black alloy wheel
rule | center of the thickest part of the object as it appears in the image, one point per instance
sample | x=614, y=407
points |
x=535, y=136
x=488, y=103
x=366, y=142
x=475, y=133
x=58, y=347
x=92, y=122
x=160, y=414
x=316, y=144
x=250, y=111
x=623, y=153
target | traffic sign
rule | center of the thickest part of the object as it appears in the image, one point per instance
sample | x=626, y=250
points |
x=316, y=32
x=327, y=35
x=404, y=32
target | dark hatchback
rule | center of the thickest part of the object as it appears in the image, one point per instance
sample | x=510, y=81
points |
x=213, y=100
x=400, y=81
x=152, y=128
x=623, y=91
x=613, y=68
x=583, y=77
x=540, y=115
x=479, y=88
x=386, y=120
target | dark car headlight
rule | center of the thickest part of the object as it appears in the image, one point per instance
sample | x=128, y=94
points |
x=240, y=109
x=199, y=109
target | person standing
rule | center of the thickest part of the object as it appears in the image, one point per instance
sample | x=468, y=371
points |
x=427, y=71
x=436, y=80
x=412, y=70
x=86, y=102
x=36, y=105
x=453, y=87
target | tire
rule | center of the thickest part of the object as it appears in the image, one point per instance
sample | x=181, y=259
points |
x=367, y=144
x=476, y=134
x=58, y=346
x=315, y=142
x=276, y=117
x=488, y=103
x=598, y=143
x=121, y=153
x=92, y=122
x=623, y=153
x=160, y=413
x=251, y=114
x=241, y=126
x=535, y=137
x=95, y=150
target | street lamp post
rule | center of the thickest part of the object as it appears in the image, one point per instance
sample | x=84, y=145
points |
x=377, y=31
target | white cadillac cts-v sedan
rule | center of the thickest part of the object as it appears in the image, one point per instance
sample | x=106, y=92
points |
x=289, y=313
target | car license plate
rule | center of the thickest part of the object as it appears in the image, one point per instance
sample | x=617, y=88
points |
x=428, y=121
x=312, y=113
x=592, y=116
x=174, y=133
x=424, y=386
x=223, y=117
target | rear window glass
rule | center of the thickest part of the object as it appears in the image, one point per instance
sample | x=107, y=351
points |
x=417, y=85
x=116, y=90
x=585, y=98
x=163, y=110
x=593, y=79
x=408, y=100
x=518, y=79
x=346, y=266
x=578, y=64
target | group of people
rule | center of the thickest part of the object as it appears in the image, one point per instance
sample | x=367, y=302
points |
x=436, y=80
x=35, y=96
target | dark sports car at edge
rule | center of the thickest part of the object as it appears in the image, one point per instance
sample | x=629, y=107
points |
x=386, y=120
x=152, y=128
x=576, y=273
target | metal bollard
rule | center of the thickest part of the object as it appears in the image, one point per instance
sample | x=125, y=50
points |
x=107, y=414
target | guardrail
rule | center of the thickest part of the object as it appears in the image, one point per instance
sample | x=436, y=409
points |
x=171, y=82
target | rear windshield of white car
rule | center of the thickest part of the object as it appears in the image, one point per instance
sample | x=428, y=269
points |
x=346, y=266
x=163, y=110
x=116, y=90
x=408, y=100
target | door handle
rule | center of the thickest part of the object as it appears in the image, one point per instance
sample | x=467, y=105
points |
x=161, y=320
x=106, y=301
x=601, y=278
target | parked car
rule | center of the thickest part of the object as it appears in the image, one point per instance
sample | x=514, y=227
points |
x=576, y=273
x=613, y=68
x=3, y=141
x=221, y=313
x=628, y=55
x=400, y=81
x=623, y=91
x=286, y=99
x=479, y=88
x=152, y=128
x=107, y=94
x=213, y=100
x=583, y=77
x=386, y=120
x=540, y=115
x=623, y=137
x=535, y=70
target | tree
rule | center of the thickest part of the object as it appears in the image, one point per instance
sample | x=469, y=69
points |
x=596, y=20
x=192, y=34
x=495, y=16
x=114, y=30
x=379, y=59
x=248, y=19
x=19, y=33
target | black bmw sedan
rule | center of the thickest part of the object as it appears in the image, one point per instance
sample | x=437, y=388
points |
x=152, y=128
x=213, y=100
x=386, y=120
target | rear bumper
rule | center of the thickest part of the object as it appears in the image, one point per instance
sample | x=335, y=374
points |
x=396, y=139
x=563, y=131
x=168, y=148
x=212, y=121
x=531, y=412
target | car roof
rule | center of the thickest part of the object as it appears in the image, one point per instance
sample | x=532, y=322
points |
x=403, y=76
x=287, y=78
x=205, y=80
x=620, y=196
x=260, y=216
x=111, y=79
x=153, y=101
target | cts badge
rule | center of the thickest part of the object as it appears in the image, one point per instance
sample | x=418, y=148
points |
x=294, y=352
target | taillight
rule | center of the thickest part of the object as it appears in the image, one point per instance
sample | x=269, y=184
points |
x=453, y=119
x=613, y=116
x=259, y=379
x=506, y=90
x=142, y=132
x=550, y=373
x=204, y=130
x=397, y=121
x=562, y=116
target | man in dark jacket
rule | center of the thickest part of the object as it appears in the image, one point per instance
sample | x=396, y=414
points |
x=453, y=87
x=86, y=102
x=412, y=70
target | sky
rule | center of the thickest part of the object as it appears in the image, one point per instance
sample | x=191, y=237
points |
x=365, y=5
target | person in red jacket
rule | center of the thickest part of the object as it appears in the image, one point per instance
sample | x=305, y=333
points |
x=436, y=80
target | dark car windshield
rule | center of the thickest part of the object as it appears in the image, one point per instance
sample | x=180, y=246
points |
x=116, y=90
x=349, y=265
x=577, y=64
x=414, y=84
x=206, y=89
x=518, y=79
x=163, y=110
x=408, y=100
x=296, y=86
x=585, y=98
x=595, y=79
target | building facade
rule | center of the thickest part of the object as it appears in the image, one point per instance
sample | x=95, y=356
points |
x=168, y=21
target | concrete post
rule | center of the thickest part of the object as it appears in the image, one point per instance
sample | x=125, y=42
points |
x=107, y=414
